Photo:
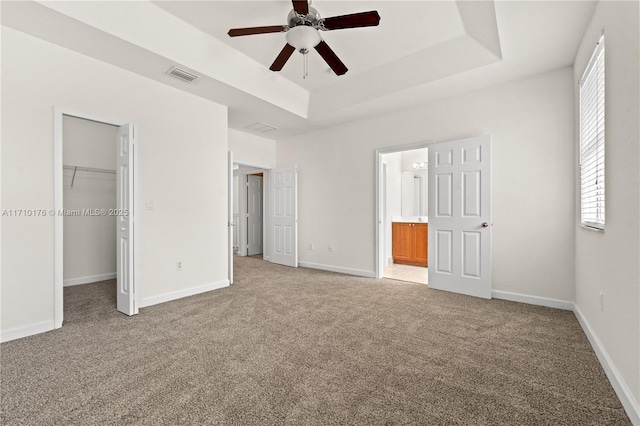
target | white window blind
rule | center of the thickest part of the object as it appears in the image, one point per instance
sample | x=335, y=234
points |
x=592, y=141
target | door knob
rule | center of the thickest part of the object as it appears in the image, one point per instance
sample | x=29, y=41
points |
x=485, y=224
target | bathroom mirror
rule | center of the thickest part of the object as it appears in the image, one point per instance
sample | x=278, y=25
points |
x=414, y=193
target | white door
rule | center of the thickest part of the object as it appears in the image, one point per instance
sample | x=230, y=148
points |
x=230, y=222
x=460, y=216
x=254, y=215
x=284, y=215
x=125, y=221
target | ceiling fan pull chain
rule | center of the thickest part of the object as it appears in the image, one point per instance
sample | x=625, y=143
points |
x=305, y=66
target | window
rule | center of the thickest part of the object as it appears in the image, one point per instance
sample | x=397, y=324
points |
x=592, y=141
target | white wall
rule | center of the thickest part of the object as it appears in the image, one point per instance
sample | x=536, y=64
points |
x=414, y=156
x=89, y=241
x=182, y=168
x=609, y=262
x=252, y=150
x=531, y=123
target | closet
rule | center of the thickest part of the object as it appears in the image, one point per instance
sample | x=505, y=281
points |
x=89, y=200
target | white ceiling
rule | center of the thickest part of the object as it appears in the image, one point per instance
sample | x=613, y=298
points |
x=418, y=24
x=421, y=51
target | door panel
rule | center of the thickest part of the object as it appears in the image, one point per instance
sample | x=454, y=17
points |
x=254, y=219
x=125, y=293
x=460, y=216
x=443, y=193
x=471, y=254
x=471, y=194
x=444, y=251
x=420, y=248
x=284, y=215
x=402, y=239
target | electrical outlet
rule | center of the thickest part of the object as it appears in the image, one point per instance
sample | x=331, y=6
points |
x=179, y=266
x=331, y=248
x=601, y=302
x=310, y=246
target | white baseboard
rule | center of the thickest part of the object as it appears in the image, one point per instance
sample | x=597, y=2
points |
x=532, y=300
x=89, y=279
x=348, y=271
x=174, y=295
x=631, y=406
x=30, y=330
x=623, y=392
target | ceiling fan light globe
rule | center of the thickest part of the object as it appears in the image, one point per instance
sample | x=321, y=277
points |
x=303, y=37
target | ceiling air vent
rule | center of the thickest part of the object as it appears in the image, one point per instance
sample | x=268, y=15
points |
x=183, y=75
x=260, y=127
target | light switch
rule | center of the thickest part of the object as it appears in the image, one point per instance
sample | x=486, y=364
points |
x=149, y=204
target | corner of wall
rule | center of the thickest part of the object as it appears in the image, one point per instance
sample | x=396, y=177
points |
x=607, y=263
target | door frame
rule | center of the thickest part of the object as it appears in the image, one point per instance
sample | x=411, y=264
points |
x=381, y=197
x=58, y=204
x=243, y=248
x=230, y=223
x=248, y=213
x=242, y=207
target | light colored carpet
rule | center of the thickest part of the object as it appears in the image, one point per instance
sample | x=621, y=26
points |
x=299, y=346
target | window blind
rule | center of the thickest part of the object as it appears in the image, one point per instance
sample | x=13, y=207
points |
x=592, y=176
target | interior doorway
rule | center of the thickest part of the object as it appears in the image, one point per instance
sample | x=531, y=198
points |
x=95, y=187
x=250, y=200
x=89, y=189
x=458, y=225
x=279, y=221
x=402, y=200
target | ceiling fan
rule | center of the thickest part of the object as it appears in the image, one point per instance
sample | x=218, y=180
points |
x=304, y=24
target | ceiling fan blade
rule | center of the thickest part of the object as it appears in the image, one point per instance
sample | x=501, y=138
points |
x=301, y=6
x=235, y=32
x=330, y=58
x=362, y=19
x=282, y=58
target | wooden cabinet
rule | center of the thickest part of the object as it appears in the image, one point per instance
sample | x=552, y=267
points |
x=410, y=243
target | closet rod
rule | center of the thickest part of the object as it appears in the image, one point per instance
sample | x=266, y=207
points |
x=86, y=169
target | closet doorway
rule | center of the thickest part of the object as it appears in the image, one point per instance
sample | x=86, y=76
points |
x=89, y=163
x=95, y=188
x=403, y=224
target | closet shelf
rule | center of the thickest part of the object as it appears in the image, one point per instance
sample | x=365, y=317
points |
x=77, y=169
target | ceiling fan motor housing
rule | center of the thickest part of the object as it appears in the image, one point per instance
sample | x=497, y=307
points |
x=303, y=33
x=310, y=19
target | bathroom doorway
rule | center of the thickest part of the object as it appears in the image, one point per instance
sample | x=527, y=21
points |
x=403, y=222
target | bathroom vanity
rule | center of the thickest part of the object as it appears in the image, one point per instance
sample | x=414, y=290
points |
x=410, y=242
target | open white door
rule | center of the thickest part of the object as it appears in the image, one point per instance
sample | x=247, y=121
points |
x=460, y=216
x=284, y=215
x=254, y=216
x=230, y=224
x=125, y=222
